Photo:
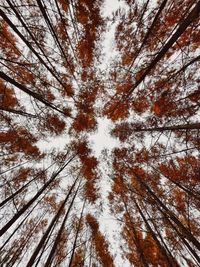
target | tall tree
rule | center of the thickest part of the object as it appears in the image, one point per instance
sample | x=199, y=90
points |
x=65, y=66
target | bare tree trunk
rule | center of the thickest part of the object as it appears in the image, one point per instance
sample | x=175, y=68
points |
x=76, y=236
x=170, y=261
x=162, y=6
x=12, y=196
x=169, y=213
x=5, y=17
x=53, y=221
x=194, y=14
x=136, y=240
x=192, y=126
x=54, y=247
x=23, y=88
x=30, y=202
x=19, y=112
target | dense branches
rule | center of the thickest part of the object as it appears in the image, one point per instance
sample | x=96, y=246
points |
x=137, y=205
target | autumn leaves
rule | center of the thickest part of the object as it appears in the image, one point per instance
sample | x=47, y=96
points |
x=52, y=86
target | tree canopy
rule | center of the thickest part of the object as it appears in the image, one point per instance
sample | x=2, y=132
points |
x=67, y=65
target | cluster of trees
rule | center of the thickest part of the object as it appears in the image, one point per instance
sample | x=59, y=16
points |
x=53, y=83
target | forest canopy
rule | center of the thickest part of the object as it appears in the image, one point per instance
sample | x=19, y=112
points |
x=67, y=67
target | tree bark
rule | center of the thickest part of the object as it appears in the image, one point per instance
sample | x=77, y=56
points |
x=23, y=88
x=76, y=236
x=53, y=222
x=30, y=202
x=54, y=247
x=193, y=15
x=192, y=126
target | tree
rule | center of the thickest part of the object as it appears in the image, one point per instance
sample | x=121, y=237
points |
x=57, y=81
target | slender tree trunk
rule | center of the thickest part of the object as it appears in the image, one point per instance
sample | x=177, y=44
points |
x=196, y=59
x=21, y=223
x=14, y=28
x=76, y=236
x=136, y=240
x=67, y=35
x=23, y=88
x=23, y=244
x=54, y=247
x=51, y=28
x=20, y=18
x=42, y=251
x=188, y=191
x=162, y=6
x=160, y=236
x=18, y=112
x=20, y=189
x=53, y=222
x=169, y=213
x=170, y=261
x=193, y=15
x=181, y=235
x=26, y=206
x=192, y=126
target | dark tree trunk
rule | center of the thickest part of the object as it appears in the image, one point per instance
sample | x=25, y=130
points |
x=54, y=247
x=51, y=225
x=76, y=236
x=193, y=15
x=23, y=88
x=23, y=209
x=192, y=126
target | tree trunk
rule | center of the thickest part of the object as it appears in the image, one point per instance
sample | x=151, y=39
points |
x=136, y=240
x=19, y=112
x=30, y=202
x=194, y=14
x=14, y=28
x=23, y=88
x=54, y=247
x=192, y=126
x=162, y=6
x=169, y=213
x=53, y=222
x=169, y=259
x=76, y=236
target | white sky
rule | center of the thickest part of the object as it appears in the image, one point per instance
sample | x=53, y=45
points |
x=102, y=139
x=111, y=6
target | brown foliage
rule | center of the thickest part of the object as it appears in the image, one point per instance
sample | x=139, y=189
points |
x=101, y=246
x=54, y=124
x=84, y=122
x=7, y=97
